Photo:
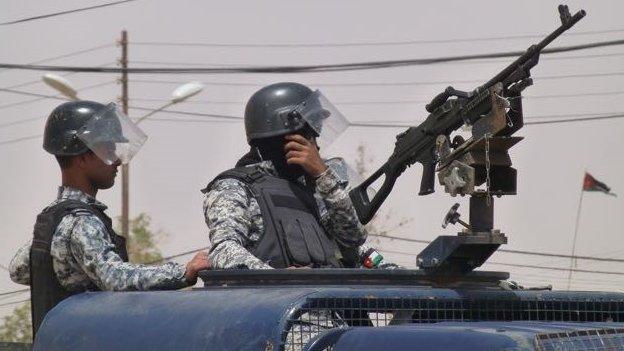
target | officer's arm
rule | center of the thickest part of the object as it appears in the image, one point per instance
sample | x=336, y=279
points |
x=19, y=268
x=227, y=214
x=341, y=220
x=94, y=252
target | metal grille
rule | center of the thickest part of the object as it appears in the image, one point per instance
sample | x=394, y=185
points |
x=320, y=314
x=603, y=339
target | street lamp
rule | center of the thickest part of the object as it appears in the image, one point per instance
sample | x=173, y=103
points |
x=180, y=94
x=61, y=85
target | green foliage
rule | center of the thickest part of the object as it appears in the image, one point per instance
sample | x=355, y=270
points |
x=142, y=241
x=17, y=326
x=142, y=248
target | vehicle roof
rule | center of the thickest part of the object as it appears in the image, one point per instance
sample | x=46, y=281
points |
x=249, y=318
x=467, y=336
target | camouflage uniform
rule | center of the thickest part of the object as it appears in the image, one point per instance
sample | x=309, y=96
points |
x=83, y=256
x=235, y=222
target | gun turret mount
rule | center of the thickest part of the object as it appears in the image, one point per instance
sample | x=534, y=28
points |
x=481, y=160
x=460, y=254
x=452, y=217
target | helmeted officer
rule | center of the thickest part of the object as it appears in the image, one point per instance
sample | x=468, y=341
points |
x=74, y=246
x=290, y=209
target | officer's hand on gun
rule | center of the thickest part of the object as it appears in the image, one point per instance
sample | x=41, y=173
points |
x=198, y=263
x=303, y=152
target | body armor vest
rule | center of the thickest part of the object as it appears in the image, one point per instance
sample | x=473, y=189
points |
x=46, y=290
x=293, y=235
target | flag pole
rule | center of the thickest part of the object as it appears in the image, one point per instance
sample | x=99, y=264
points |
x=576, y=225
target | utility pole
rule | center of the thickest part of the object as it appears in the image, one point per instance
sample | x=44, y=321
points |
x=125, y=175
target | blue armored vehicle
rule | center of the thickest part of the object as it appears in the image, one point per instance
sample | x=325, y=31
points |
x=338, y=310
x=444, y=305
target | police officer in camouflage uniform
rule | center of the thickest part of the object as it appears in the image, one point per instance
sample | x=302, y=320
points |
x=74, y=247
x=289, y=209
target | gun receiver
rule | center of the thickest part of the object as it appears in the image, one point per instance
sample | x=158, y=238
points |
x=449, y=110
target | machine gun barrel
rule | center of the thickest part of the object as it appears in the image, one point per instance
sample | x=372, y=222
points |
x=567, y=22
x=417, y=144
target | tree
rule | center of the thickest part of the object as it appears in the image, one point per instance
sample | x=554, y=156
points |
x=142, y=248
x=142, y=241
x=17, y=326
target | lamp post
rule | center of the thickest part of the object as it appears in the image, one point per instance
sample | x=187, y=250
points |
x=180, y=94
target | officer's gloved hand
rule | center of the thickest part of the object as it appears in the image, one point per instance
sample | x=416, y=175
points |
x=305, y=153
x=198, y=263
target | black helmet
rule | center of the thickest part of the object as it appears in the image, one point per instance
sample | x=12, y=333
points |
x=61, y=130
x=269, y=112
x=76, y=127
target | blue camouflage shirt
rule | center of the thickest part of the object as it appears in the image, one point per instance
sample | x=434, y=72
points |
x=235, y=222
x=83, y=256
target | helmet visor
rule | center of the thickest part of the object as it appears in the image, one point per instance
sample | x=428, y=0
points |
x=323, y=117
x=112, y=136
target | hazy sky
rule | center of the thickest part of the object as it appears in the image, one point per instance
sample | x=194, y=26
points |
x=181, y=156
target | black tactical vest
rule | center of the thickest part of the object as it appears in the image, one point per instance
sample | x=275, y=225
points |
x=45, y=289
x=293, y=234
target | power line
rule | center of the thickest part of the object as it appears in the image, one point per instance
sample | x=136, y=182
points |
x=17, y=140
x=382, y=125
x=14, y=292
x=556, y=268
x=168, y=258
x=520, y=252
x=182, y=120
x=308, y=68
x=28, y=19
x=526, y=265
x=45, y=96
x=407, y=123
x=40, y=97
x=73, y=53
x=392, y=102
x=557, y=121
x=21, y=121
x=618, y=116
x=377, y=84
x=481, y=61
x=14, y=302
x=188, y=113
x=38, y=81
x=356, y=44
x=352, y=124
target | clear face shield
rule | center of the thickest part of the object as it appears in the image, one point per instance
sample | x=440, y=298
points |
x=112, y=136
x=323, y=117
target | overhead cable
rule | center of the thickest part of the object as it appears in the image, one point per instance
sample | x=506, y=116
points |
x=40, y=97
x=28, y=19
x=393, y=102
x=524, y=265
x=306, y=68
x=14, y=292
x=377, y=84
x=14, y=302
x=521, y=252
x=370, y=43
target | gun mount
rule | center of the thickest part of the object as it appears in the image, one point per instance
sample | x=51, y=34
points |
x=463, y=166
x=494, y=112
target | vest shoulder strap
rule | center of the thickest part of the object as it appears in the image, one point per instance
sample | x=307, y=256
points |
x=247, y=175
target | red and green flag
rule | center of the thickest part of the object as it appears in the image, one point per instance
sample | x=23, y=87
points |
x=592, y=184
